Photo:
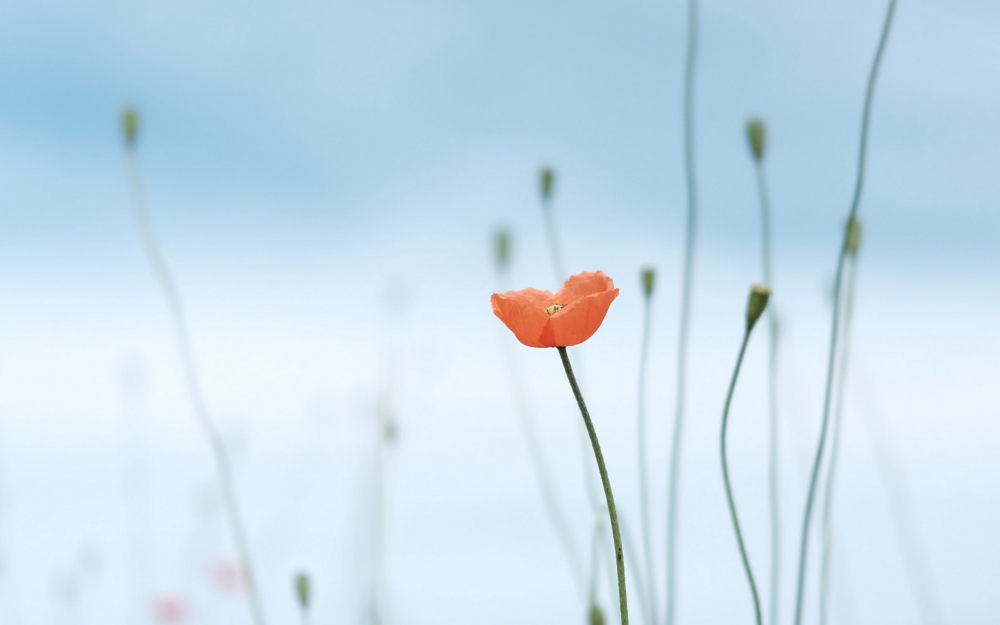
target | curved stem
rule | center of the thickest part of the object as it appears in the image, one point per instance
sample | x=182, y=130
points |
x=729, y=488
x=223, y=465
x=831, y=472
x=612, y=513
x=647, y=539
x=774, y=474
x=673, y=478
x=804, y=545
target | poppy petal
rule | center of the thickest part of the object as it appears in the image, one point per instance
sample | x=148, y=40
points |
x=577, y=322
x=582, y=285
x=523, y=312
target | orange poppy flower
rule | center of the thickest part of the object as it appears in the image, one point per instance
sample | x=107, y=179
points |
x=569, y=317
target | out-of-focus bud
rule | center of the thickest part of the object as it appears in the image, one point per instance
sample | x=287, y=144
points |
x=501, y=245
x=596, y=616
x=390, y=432
x=759, y=295
x=755, y=133
x=302, y=590
x=548, y=179
x=853, y=238
x=130, y=126
x=648, y=280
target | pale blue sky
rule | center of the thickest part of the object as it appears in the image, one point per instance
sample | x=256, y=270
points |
x=305, y=159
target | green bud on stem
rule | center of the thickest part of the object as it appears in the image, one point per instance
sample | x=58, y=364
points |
x=759, y=295
x=501, y=244
x=755, y=133
x=130, y=125
x=853, y=238
x=548, y=176
x=596, y=616
x=648, y=279
x=302, y=590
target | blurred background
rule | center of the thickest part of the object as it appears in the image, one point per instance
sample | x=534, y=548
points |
x=326, y=178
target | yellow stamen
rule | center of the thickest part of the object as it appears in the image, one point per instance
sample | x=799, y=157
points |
x=553, y=309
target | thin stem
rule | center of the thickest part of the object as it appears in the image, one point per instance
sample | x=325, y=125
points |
x=774, y=474
x=831, y=472
x=807, y=516
x=642, y=587
x=540, y=464
x=647, y=538
x=159, y=266
x=725, y=477
x=689, y=169
x=382, y=424
x=612, y=513
x=900, y=509
x=559, y=267
x=552, y=234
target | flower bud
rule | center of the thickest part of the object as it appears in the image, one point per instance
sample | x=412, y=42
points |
x=853, y=238
x=596, y=616
x=758, y=302
x=755, y=133
x=302, y=590
x=130, y=125
x=648, y=278
x=502, y=248
x=547, y=181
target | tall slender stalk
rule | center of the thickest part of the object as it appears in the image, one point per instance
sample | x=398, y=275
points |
x=648, y=277
x=901, y=512
x=163, y=276
x=725, y=477
x=817, y=463
x=605, y=481
x=642, y=587
x=536, y=452
x=551, y=231
x=757, y=136
x=837, y=427
x=673, y=478
x=547, y=180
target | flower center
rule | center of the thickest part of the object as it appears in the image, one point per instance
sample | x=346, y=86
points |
x=554, y=308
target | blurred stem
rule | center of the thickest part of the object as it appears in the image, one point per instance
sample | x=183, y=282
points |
x=552, y=234
x=774, y=475
x=650, y=599
x=901, y=511
x=831, y=472
x=642, y=587
x=599, y=457
x=725, y=477
x=862, y=149
x=692, y=203
x=223, y=466
x=559, y=267
x=539, y=462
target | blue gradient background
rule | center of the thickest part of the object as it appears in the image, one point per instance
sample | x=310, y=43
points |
x=325, y=179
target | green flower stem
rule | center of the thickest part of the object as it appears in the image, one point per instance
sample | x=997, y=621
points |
x=612, y=513
x=729, y=488
x=831, y=472
x=223, y=465
x=834, y=332
x=673, y=478
x=647, y=539
x=774, y=474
